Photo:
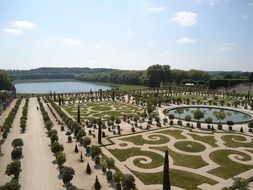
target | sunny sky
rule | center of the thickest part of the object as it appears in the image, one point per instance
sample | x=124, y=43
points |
x=127, y=34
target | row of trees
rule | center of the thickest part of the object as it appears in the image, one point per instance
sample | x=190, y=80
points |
x=14, y=168
x=153, y=76
x=10, y=118
x=23, y=118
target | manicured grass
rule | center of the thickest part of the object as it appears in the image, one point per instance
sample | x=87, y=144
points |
x=229, y=142
x=189, y=161
x=209, y=139
x=189, y=146
x=183, y=179
x=101, y=109
x=229, y=168
x=176, y=133
x=124, y=154
x=139, y=140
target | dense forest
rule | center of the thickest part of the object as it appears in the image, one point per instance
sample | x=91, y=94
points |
x=53, y=72
x=154, y=76
x=5, y=81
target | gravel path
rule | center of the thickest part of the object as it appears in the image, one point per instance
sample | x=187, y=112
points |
x=38, y=171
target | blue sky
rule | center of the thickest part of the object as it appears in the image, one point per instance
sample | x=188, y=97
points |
x=127, y=34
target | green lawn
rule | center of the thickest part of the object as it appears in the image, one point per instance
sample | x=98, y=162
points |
x=176, y=133
x=229, y=142
x=124, y=154
x=189, y=161
x=101, y=109
x=189, y=146
x=139, y=140
x=183, y=179
x=209, y=139
x=229, y=168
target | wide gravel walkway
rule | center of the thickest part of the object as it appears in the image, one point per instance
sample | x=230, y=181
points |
x=38, y=171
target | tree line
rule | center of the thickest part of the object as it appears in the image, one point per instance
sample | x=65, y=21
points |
x=154, y=76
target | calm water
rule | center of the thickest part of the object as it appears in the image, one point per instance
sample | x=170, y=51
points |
x=231, y=115
x=58, y=87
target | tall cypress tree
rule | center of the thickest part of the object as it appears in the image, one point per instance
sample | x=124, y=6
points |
x=54, y=96
x=99, y=122
x=166, y=175
x=59, y=99
x=78, y=114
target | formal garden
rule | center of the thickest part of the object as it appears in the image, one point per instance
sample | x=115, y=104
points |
x=118, y=139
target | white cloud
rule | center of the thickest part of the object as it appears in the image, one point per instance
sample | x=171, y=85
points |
x=25, y=25
x=250, y=4
x=19, y=27
x=154, y=9
x=185, y=40
x=186, y=18
x=15, y=31
x=129, y=31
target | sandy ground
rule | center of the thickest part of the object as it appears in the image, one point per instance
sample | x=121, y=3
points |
x=5, y=157
x=38, y=171
x=81, y=179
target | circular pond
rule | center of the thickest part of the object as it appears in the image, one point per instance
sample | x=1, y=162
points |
x=217, y=115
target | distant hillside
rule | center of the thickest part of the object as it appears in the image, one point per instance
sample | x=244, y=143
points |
x=53, y=72
x=153, y=76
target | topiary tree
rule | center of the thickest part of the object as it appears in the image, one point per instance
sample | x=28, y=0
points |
x=76, y=149
x=97, y=184
x=97, y=160
x=80, y=134
x=198, y=114
x=14, y=168
x=86, y=141
x=12, y=185
x=67, y=174
x=109, y=162
x=88, y=169
x=17, y=143
x=54, y=138
x=166, y=175
x=81, y=156
x=171, y=117
x=16, y=154
x=95, y=151
x=99, y=122
x=51, y=132
x=241, y=184
x=128, y=182
x=56, y=147
x=60, y=158
x=109, y=175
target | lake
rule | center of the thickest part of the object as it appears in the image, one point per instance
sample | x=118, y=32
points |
x=58, y=87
